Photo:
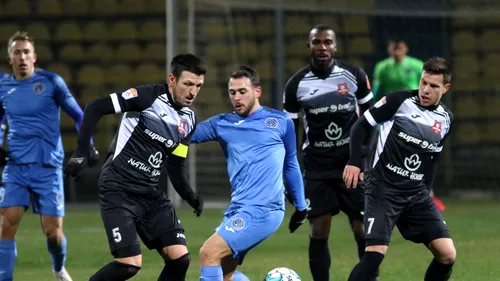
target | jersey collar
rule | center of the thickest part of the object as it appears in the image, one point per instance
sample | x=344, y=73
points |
x=171, y=99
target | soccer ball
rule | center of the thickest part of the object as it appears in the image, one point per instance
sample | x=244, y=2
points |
x=282, y=274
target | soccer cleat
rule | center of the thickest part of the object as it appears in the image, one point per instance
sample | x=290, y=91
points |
x=62, y=275
x=439, y=204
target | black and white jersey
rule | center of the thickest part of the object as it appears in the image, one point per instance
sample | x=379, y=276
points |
x=152, y=128
x=329, y=102
x=410, y=135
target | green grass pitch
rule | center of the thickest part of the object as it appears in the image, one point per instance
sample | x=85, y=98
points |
x=474, y=225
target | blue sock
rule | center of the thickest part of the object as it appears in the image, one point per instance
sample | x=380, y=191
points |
x=58, y=253
x=211, y=273
x=8, y=254
x=238, y=276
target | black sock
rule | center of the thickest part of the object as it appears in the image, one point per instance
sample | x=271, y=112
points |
x=319, y=259
x=367, y=267
x=438, y=271
x=175, y=270
x=115, y=271
x=361, y=242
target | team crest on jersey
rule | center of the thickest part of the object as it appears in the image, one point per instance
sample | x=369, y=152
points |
x=271, y=122
x=342, y=88
x=437, y=127
x=182, y=127
x=129, y=94
x=238, y=223
x=59, y=198
x=38, y=88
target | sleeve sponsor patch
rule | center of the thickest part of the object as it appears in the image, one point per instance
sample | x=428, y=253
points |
x=381, y=102
x=129, y=94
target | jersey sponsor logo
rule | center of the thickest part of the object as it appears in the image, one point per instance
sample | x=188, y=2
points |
x=271, y=122
x=414, y=140
x=333, y=132
x=38, y=88
x=342, y=89
x=154, y=136
x=413, y=162
x=139, y=165
x=381, y=102
x=129, y=94
x=437, y=127
x=330, y=109
x=182, y=127
x=404, y=173
x=155, y=160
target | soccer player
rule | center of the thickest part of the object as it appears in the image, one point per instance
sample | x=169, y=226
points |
x=155, y=132
x=259, y=144
x=414, y=125
x=31, y=100
x=328, y=92
x=399, y=72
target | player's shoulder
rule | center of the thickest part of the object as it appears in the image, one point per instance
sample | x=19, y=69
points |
x=299, y=75
x=277, y=114
x=403, y=95
x=49, y=75
x=351, y=68
x=445, y=110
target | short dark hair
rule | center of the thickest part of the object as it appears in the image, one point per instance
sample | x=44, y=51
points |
x=187, y=62
x=248, y=72
x=438, y=65
x=321, y=27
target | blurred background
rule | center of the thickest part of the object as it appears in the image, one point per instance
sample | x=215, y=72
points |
x=104, y=46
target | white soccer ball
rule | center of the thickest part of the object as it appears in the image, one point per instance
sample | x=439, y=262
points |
x=282, y=274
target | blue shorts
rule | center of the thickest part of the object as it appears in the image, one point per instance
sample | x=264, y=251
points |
x=33, y=184
x=246, y=228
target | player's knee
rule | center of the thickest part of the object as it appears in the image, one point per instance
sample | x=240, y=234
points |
x=377, y=248
x=447, y=256
x=52, y=227
x=123, y=270
x=320, y=227
x=358, y=229
x=135, y=260
x=10, y=222
x=178, y=267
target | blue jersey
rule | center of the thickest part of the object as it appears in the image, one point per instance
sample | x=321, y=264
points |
x=2, y=122
x=32, y=108
x=260, y=149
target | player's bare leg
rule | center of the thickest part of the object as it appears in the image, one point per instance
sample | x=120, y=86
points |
x=176, y=263
x=11, y=217
x=441, y=266
x=319, y=254
x=52, y=227
x=369, y=264
x=216, y=261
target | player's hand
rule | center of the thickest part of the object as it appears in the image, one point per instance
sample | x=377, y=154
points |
x=197, y=204
x=3, y=157
x=94, y=157
x=297, y=219
x=352, y=175
x=75, y=165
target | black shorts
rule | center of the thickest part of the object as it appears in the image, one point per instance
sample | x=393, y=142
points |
x=416, y=216
x=330, y=196
x=127, y=216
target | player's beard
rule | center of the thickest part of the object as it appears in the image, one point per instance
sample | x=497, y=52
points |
x=247, y=110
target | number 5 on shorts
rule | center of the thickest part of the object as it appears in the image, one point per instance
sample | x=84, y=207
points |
x=370, y=224
x=117, y=235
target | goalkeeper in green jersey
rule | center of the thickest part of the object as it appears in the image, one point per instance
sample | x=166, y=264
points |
x=398, y=72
